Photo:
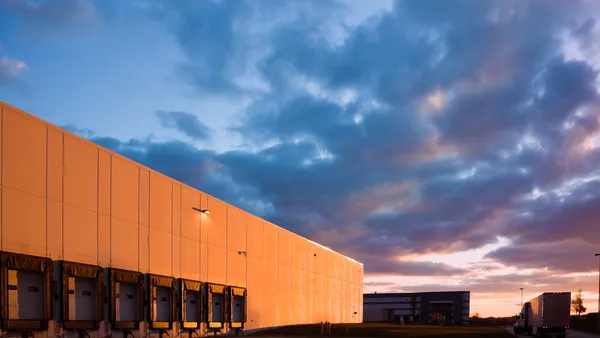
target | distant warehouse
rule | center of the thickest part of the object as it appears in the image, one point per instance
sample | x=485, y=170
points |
x=422, y=307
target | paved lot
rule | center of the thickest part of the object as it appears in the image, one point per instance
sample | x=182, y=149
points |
x=382, y=330
x=570, y=334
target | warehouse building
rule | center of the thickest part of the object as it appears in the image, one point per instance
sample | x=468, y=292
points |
x=422, y=307
x=92, y=243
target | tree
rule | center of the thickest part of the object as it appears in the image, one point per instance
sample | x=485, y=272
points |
x=476, y=315
x=577, y=303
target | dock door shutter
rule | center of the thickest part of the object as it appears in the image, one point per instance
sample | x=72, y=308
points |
x=30, y=276
x=237, y=306
x=82, y=286
x=216, y=305
x=191, y=303
x=162, y=293
x=126, y=295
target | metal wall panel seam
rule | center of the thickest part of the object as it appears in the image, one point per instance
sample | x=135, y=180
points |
x=226, y=243
x=171, y=221
x=98, y=206
x=47, y=169
x=139, y=194
x=277, y=320
x=200, y=239
x=246, y=258
x=62, y=205
x=149, y=219
x=180, y=231
x=207, y=244
x=1, y=169
x=110, y=171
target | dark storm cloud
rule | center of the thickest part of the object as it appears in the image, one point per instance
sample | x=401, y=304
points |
x=220, y=37
x=376, y=176
x=186, y=123
x=563, y=256
x=205, y=30
x=559, y=233
x=379, y=266
x=554, y=218
x=534, y=284
x=566, y=87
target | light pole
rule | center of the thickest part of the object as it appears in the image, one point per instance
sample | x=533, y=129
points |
x=521, y=296
x=598, y=315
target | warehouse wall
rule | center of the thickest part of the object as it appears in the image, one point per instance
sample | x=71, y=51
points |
x=63, y=197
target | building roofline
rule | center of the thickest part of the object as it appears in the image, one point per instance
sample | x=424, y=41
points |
x=409, y=293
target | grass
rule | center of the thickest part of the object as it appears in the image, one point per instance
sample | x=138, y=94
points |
x=390, y=330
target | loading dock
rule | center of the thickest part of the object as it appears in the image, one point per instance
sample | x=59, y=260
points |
x=26, y=296
x=161, y=304
x=191, y=304
x=215, y=305
x=237, y=307
x=126, y=304
x=81, y=286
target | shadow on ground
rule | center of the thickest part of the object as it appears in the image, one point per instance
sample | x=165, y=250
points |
x=390, y=330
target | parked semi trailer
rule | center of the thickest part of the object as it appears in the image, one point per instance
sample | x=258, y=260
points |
x=548, y=314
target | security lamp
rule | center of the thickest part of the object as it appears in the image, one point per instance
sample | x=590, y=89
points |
x=242, y=253
x=204, y=211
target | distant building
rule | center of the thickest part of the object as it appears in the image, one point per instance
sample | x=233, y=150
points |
x=421, y=307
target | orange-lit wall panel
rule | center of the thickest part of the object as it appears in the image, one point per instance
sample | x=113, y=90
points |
x=80, y=202
x=236, y=229
x=80, y=173
x=284, y=294
x=255, y=237
x=256, y=287
x=216, y=223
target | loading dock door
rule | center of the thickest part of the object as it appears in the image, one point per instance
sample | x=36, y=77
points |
x=126, y=302
x=82, y=301
x=83, y=298
x=238, y=309
x=26, y=294
x=126, y=306
x=192, y=311
x=162, y=304
x=217, y=307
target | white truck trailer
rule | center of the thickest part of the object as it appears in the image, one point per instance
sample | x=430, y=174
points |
x=548, y=314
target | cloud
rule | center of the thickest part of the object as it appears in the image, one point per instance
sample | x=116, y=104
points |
x=560, y=256
x=55, y=13
x=429, y=128
x=12, y=72
x=83, y=132
x=11, y=69
x=188, y=124
x=509, y=284
x=351, y=145
x=380, y=266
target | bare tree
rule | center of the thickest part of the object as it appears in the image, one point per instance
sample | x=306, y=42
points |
x=577, y=303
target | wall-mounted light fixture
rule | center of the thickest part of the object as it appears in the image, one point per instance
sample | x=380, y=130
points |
x=315, y=255
x=204, y=211
x=243, y=253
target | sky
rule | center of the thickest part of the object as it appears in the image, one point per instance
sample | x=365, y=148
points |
x=447, y=145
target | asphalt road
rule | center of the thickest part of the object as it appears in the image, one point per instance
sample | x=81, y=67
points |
x=570, y=334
